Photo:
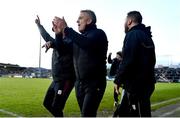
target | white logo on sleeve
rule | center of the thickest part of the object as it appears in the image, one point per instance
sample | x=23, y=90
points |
x=59, y=92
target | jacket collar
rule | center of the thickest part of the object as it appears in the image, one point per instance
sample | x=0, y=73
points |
x=136, y=27
x=146, y=30
x=89, y=27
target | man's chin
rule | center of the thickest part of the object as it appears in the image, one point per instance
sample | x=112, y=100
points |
x=80, y=30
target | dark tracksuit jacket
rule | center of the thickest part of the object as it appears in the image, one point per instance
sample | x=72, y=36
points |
x=113, y=71
x=115, y=65
x=89, y=57
x=62, y=60
x=90, y=51
x=136, y=71
x=137, y=67
x=62, y=72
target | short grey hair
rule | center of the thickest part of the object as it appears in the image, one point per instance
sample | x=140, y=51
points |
x=91, y=14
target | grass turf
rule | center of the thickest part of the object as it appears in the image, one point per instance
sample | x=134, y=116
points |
x=25, y=97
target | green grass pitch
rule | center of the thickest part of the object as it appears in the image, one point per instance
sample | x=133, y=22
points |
x=25, y=97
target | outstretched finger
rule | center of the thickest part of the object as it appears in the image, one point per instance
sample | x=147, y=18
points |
x=37, y=17
x=43, y=46
x=46, y=50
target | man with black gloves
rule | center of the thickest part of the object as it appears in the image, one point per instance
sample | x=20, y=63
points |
x=62, y=71
x=136, y=72
x=89, y=55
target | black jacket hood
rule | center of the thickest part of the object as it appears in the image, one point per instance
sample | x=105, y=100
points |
x=142, y=27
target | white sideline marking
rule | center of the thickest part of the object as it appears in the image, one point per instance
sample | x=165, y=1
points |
x=171, y=112
x=9, y=113
x=159, y=103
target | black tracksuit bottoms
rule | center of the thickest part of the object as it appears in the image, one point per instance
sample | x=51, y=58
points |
x=135, y=105
x=89, y=94
x=57, y=95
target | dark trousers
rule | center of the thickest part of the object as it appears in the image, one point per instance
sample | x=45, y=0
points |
x=57, y=95
x=134, y=105
x=89, y=95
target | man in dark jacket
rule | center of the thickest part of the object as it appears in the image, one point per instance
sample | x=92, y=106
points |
x=136, y=72
x=62, y=71
x=90, y=49
x=115, y=63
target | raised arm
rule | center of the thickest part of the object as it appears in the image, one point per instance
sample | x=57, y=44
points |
x=109, y=58
x=43, y=32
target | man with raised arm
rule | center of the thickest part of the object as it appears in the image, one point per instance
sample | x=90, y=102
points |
x=62, y=70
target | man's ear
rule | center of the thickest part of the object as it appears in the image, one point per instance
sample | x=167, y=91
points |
x=89, y=21
x=129, y=22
